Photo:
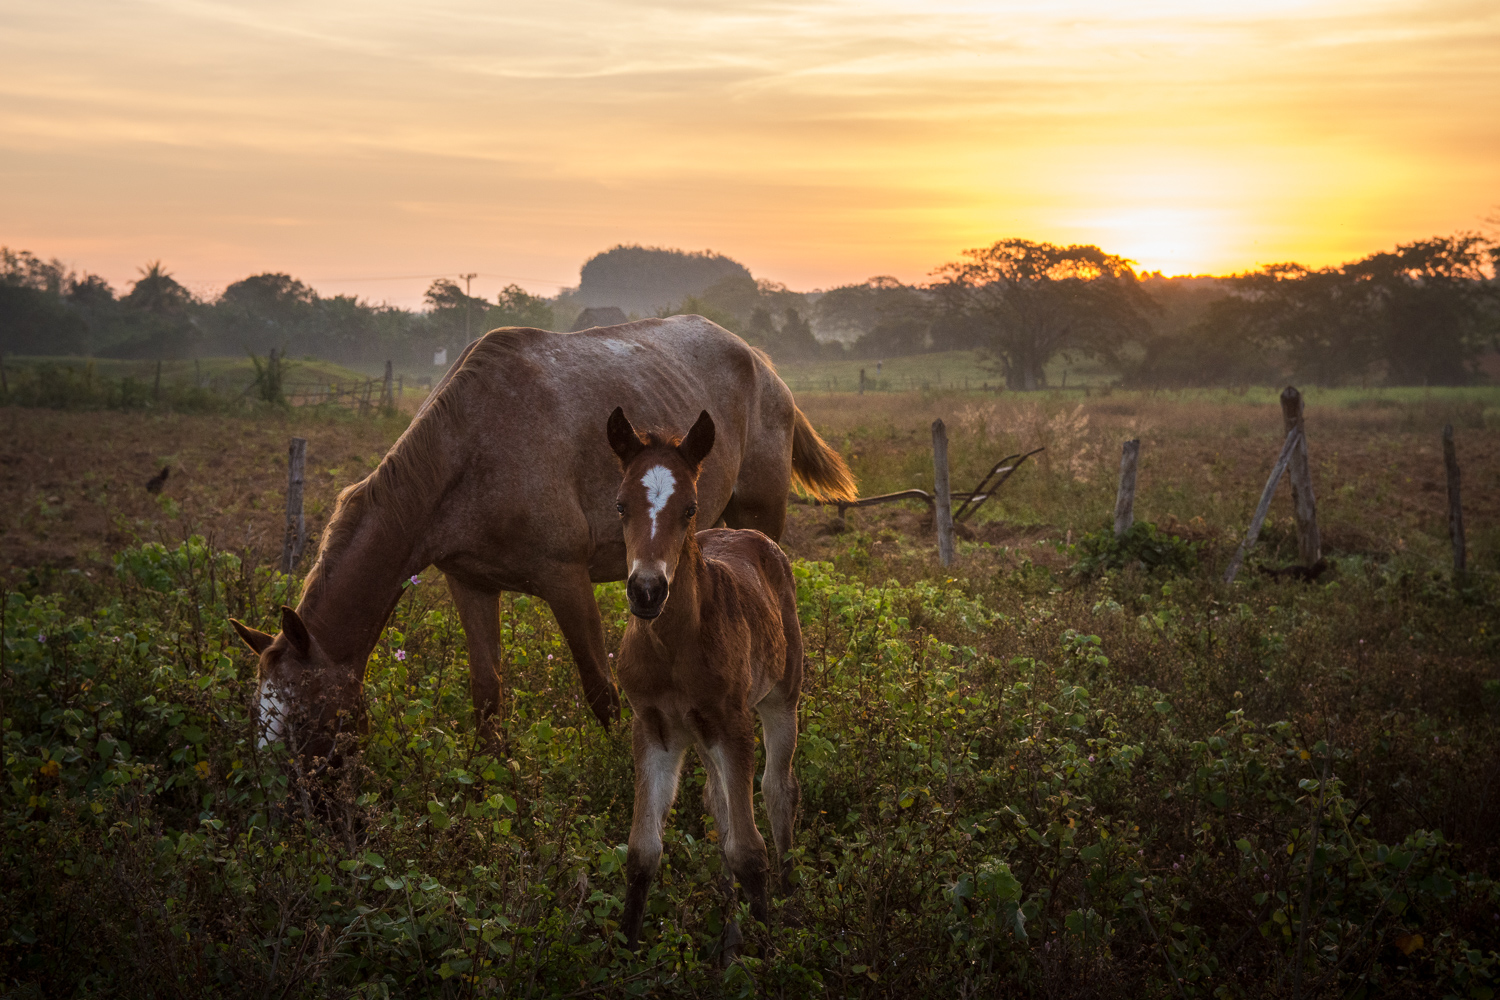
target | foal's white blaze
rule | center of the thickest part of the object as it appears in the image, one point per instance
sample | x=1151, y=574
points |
x=274, y=709
x=659, y=483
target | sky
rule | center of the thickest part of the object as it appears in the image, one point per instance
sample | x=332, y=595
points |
x=368, y=147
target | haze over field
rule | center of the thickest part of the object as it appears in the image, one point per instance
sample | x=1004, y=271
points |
x=370, y=147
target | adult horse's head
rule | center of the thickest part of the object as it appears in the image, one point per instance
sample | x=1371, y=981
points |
x=300, y=696
x=658, y=504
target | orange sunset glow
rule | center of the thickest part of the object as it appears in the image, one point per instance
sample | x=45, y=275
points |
x=367, y=147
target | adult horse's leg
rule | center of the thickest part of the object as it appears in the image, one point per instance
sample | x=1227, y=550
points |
x=759, y=499
x=570, y=594
x=479, y=611
x=778, y=719
x=764, y=477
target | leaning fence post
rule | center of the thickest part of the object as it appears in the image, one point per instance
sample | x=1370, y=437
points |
x=1125, y=500
x=1304, y=504
x=943, y=502
x=1265, y=504
x=296, y=527
x=1455, y=507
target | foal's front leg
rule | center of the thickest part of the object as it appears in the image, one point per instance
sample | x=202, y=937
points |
x=657, y=766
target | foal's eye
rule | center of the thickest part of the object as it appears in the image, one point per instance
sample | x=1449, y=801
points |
x=691, y=509
x=620, y=509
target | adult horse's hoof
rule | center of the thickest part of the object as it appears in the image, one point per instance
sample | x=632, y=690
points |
x=605, y=705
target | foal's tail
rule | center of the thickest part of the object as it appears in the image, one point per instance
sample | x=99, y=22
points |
x=817, y=468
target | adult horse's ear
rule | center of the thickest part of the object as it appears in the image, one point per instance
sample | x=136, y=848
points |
x=295, y=631
x=252, y=637
x=622, y=437
x=699, y=441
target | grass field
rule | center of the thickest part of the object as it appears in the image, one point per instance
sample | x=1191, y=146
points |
x=1063, y=768
x=939, y=371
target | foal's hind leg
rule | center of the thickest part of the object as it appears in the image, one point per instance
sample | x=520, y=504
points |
x=733, y=758
x=778, y=718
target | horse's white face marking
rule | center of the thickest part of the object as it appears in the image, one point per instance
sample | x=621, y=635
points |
x=274, y=708
x=659, y=483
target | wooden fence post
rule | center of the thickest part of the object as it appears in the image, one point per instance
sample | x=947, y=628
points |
x=387, y=396
x=295, y=538
x=943, y=502
x=1455, y=507
x=1265, y=504
x=1304, y=504
x=1125, y=499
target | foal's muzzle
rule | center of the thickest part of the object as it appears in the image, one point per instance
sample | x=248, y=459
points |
x=646, y=592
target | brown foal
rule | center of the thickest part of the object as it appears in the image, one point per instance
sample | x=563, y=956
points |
x=714, y=637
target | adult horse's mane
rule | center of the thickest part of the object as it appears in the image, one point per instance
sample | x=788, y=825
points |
x=415, y=467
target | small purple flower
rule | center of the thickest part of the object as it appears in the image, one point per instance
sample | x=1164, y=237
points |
x=415, y=580
x=41, y=637
x=611, y=656
x=549, y=656
x=401, y=654
x=1267, y=876
x=1091, y=758
x=1175, y=866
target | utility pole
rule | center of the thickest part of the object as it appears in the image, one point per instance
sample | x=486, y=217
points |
x=468, y=306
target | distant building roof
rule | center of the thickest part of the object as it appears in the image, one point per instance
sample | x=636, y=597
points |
x=599, y=316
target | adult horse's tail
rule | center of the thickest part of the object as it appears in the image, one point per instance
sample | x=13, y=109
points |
x=817, y=468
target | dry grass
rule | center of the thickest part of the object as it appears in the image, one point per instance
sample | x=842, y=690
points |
x=1377, y=463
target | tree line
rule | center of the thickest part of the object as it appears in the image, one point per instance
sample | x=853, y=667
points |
x=1425, y=312
x=48, y=310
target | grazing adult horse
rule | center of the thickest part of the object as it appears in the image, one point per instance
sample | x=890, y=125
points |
x=503, y=482
x=714, y=641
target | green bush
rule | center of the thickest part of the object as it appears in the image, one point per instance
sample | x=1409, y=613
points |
x=1142, y=543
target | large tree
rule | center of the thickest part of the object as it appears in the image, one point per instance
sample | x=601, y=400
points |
x=1422, y=312
x=1437, y=306
x=1032, y=301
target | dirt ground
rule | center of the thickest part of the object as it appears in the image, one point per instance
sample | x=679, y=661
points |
x=72, y=485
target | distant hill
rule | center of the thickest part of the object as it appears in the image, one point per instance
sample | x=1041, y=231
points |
x=642, y=280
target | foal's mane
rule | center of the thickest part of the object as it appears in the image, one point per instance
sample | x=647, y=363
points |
x=418, y=468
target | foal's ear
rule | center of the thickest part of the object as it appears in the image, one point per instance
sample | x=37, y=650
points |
x=295, y=631
x=699, y=441
x=622, y=437
x=252, y=637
